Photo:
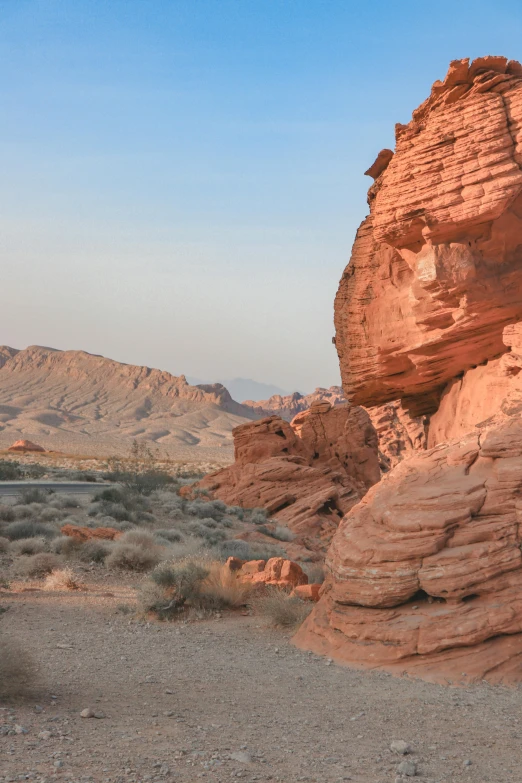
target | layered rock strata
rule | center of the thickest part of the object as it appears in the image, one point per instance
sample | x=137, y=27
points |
x=434, y=275
x=306, y=475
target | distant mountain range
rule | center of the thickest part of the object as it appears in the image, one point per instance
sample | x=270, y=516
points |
x=245, y=388
x=80, y=403
x=289, y=405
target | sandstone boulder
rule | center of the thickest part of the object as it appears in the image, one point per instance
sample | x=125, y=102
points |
x=276, y=572
x=306, y=475
x=87, y=533
x=436, y=268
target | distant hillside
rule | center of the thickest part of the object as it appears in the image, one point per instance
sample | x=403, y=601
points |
x=81, y=403
x=290, y=405
x=246, y=388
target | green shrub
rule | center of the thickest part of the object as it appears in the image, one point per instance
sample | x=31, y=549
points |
x=10, y=470
x=7, y=514
x=34, y=495
x=28, y=546
x=95, y=551
x=171, y=535
x=66, y=545
x=130, y=557
x=28, y=528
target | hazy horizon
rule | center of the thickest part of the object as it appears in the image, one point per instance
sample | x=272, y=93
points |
x=182, y=181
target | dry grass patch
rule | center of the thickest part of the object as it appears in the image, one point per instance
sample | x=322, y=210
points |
x=282, y=609
x=62, y=579
x=17, y=670
x=4, y=545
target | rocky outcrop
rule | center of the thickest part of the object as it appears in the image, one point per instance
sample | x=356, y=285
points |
x=307, y=475
x=289, y=405
x=276, y=572
x=435, y=273
x=25, y=445
x=428, y=565
x=424, y=575
x=399, y=433
x=87, y=533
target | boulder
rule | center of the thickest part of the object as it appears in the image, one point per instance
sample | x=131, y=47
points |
x=277, y=572
x=25, y=445
x=307, y=474
x=436, y=269
x=307, y=592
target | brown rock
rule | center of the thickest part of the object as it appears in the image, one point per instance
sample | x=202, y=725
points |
x=25, y=445
x=307, y=592
x=277, y=572
x=307, y=478
x=435, y=273
x=86, y=533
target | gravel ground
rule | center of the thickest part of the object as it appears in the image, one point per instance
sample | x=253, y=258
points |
x=229, y=698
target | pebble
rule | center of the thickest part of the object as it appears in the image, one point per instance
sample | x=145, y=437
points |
x=58, y=764
x=87, y=713
x=408, y=768
x=241, y=756
x=45, y=735
x=467, y=763
x=401, y=747
x=19, y=729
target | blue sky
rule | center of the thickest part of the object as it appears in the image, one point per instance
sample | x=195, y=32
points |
x=180, y=182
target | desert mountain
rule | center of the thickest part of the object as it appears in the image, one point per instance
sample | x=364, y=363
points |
x=77, y=402
x=289, y=405
x=243, y=388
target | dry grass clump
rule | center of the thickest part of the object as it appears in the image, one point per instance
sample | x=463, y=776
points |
x=62, y=579
x=194, y=582
x=66, y=545
x=134, y=551
x=17, y=669
x=38, y=565
x=4, y=545
x=28, y=546
x=283, y=609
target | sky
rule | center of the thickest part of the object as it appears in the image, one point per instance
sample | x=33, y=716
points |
x=181, y=180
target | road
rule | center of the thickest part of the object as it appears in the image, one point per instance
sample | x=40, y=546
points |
x=62, y=487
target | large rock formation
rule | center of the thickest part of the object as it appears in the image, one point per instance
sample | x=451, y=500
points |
x=306, y=475
x=399, y=433
x=425, y=573
x=435, y=270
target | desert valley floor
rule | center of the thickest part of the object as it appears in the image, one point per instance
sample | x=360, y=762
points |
x=229, y=698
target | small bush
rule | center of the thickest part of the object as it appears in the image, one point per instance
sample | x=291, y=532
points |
x=66, y=545
x=38, y=565
x=28, y=546
x=28, y=528
x=10, y=470
x=64, y=501
x=62, y=579
x=245, y=550
x=95, y=551
x=7, y=514
x=282, y=609
x=34, y=495
x=34, y=471
x=4, y=545
x=51, y=514
x=314, y=572
x=257, y=516
x=17, y=670
x=141, y=538
x=171, y=535
x=283, y=533
x=130, y=557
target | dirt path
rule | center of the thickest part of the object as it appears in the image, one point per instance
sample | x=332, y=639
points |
x=223, y=699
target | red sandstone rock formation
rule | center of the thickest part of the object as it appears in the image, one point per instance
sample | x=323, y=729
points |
x=306, y=475
x=290, y=405
x=86, y=533
x=399, y=433
x=25, y=445
x=435, y=270
x=276, y=572
x=425, y=573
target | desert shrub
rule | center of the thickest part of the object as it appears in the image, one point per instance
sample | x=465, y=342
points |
x=34, y=495
x=130, y=557
x=38, y=565
x=314, y=572
x=283, y=533
x=189, y=547
x=28, y=528
x=10, y=470
x=28, y=546
x=221, y=589
x=283, y=609
x=95, y=551
x=17, y=669
x=171, y=535
x=50, y=514
x=257, y=516
x=141, y=538
x=34, y=471
x=4, y=545
x=84, y=475
x=7, y=514
x=62, y=579
x=248, y=551
x=110, y=495
x=65, y=545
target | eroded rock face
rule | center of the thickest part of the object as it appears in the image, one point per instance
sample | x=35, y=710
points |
x=436, y=268
x=399, y=433
x=25, y=445
x=289, y=405
x=428, y=565
x=306, y=475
